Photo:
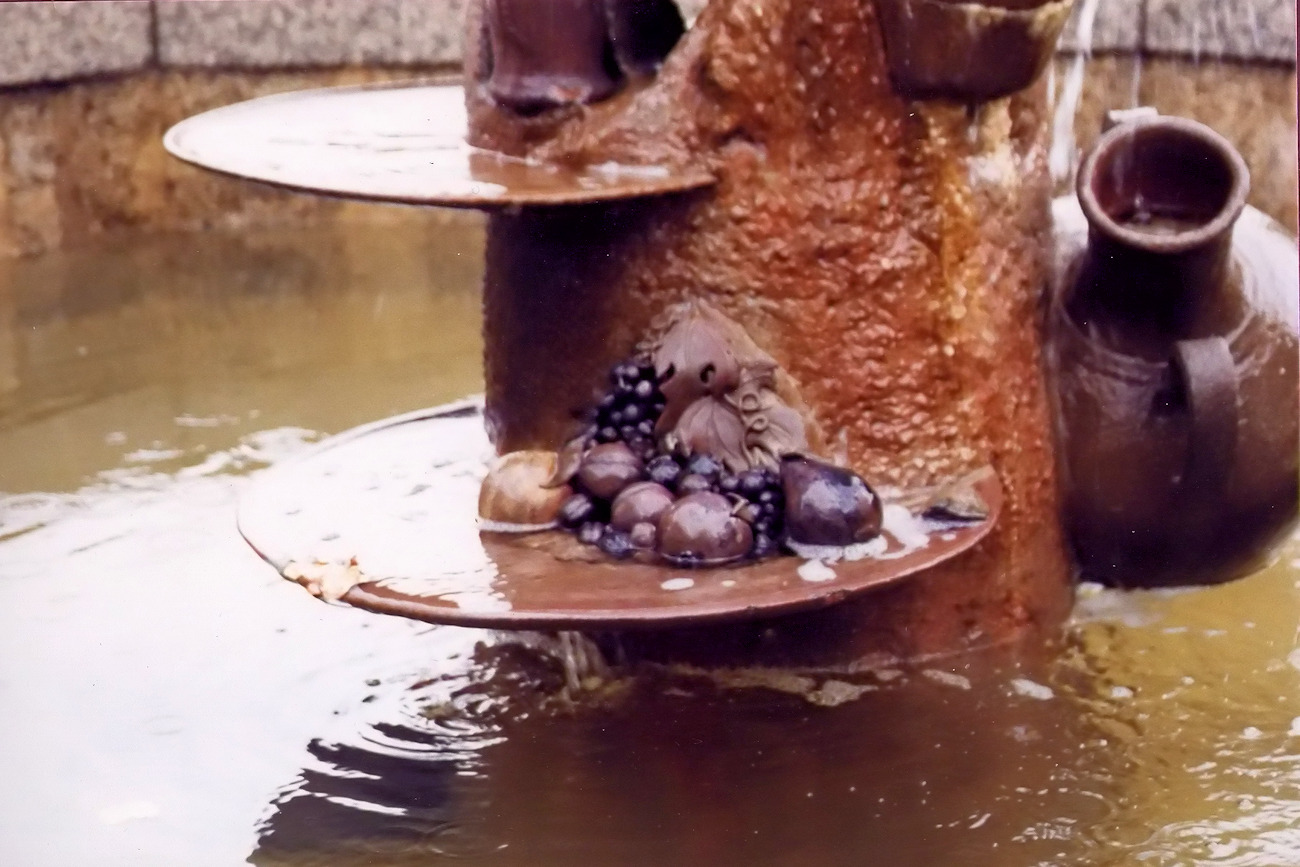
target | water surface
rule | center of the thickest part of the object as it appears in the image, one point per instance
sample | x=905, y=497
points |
x=167, y=699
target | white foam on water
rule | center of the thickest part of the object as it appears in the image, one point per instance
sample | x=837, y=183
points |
x=621, y=170
x=584, y=664
x=150, y=456
x=947, y=678
x=1089, y=590
x=1031, y=689
x=905, y=527
x=834, y=553
x=816, y=572
x=691, y=9
x=911, y=533
x=488, y=526
x=128, y=811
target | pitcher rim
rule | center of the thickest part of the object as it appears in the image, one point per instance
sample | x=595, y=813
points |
x=1221, y=224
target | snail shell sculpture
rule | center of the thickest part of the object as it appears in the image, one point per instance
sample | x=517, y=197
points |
x=515, y=496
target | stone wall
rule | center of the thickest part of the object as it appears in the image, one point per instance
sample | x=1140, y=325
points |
x=1227, y=63
x=82, y=159
x=1253, y=106
x=88, y=87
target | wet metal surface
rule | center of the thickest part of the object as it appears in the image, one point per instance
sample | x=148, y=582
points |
x=166, y=699
x=396, y=143
x=398, y=498
x=1176, y=421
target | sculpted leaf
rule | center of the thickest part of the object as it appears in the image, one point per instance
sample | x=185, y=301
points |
x=711, y=426
x=694, y=358
x=723, y=394
x=778, y=431
x=703, y=352
x=755, y=392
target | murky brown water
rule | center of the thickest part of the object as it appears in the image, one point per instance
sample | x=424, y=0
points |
x=166, y=699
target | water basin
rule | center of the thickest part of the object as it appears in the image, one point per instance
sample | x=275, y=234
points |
x=169, y=699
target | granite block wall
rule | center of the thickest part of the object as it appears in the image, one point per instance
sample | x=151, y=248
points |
x=87, y=89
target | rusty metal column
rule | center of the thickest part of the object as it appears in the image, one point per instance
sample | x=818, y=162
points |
x=889, y=252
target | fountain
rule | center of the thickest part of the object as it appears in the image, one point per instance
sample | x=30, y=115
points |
x=820, y=209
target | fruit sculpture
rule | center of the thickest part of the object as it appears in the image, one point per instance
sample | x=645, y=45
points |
x=698, y=455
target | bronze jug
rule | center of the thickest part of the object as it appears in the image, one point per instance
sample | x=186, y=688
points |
x=548, y=53
x=971, y=51
x=1172, y=356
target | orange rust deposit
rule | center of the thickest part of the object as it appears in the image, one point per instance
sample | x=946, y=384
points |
x=889, y=254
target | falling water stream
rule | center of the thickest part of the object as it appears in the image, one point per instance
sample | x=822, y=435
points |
x=169, y=700
x=1063, y=156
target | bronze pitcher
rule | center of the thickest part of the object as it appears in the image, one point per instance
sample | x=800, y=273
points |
x=550, y=53
x=1172, y=353
x=971, y=50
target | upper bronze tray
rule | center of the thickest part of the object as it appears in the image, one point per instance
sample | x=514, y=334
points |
x=399, y=498
x=395, y=143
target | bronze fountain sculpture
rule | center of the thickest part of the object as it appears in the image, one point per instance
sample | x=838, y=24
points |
x=809, y=242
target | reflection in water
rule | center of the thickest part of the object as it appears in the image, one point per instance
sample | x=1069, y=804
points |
x=168, y=700
x=993, y=760
x=391, y=788
x=181, y=346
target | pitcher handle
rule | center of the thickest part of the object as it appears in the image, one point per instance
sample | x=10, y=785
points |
x=1210, y=382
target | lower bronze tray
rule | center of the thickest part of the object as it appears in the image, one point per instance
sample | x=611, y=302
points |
x=383, y=518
